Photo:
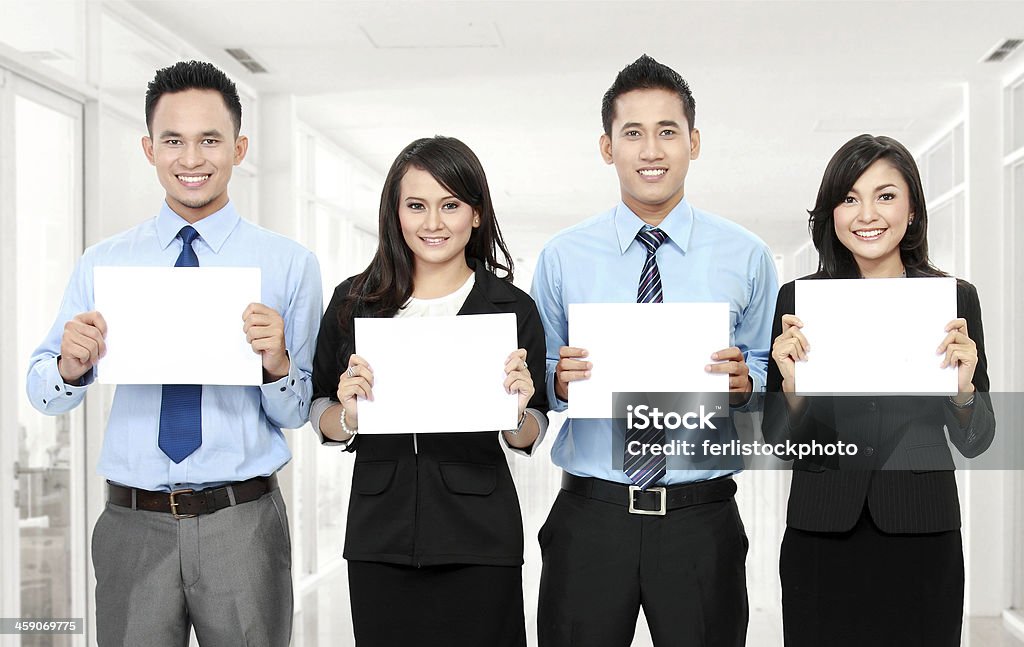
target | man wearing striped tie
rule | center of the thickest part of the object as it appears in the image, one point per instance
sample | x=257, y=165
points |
x=670, y=541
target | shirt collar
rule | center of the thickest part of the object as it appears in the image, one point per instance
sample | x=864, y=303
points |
x=677, y=224
x=213, y=229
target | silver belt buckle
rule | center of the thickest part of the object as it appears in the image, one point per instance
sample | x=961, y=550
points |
x=633, y=489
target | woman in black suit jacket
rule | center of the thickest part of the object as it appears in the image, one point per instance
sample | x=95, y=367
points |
x=434, y=541
x=872, y=553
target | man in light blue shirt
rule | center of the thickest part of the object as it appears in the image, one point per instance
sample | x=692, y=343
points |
x=610, y=543
x=195, y=531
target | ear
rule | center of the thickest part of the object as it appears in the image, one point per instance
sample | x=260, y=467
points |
x=476, y=218
x=605, y=143
x=694, y=144
x=241, y=148
x=147, y=149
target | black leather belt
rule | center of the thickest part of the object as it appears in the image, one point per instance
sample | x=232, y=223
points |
x=190, y=503
x=653, y=500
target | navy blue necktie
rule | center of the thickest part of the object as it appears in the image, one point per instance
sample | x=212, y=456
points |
x=181, y=417
x=645, y=469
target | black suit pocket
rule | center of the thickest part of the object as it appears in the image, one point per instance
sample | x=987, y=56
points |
x=469, y=478
x=372, y=477
x=930, y=458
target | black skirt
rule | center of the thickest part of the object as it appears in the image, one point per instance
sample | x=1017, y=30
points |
x=865, y=587
x=456, y=605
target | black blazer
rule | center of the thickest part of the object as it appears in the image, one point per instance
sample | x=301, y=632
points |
x=904, y=470
x=453, y=501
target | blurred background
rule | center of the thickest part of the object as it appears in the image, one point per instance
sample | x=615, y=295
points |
x=332, y=91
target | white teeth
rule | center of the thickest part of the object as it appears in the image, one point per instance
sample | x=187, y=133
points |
x=193, y=179
x=869, y=233
x=652, y=172
x=433, y=241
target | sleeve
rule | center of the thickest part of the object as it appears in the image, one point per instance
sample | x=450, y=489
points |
x=331, y=345
x=978, y=435
x=753, y=332
x=286, y=401
x=531, y=337
x=46, y=389
x=547, y=294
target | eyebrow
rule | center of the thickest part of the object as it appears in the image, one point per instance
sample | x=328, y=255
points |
x=447, y=197
x=637, y=124
x=206, y=133
x=878, y=188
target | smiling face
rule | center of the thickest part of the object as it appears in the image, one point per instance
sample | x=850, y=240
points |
x=651, y=147
x=435, y=224
x=873, y=218
x=194, y=148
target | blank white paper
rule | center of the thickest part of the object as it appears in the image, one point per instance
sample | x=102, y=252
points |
x=438, y=374
x=875, y=335
x=645, y=347
x=177, y=325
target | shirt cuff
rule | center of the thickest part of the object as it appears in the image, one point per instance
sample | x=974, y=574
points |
x=542, y=424
x=318, y=408
x=59, y=396
x=286, y=388
x=557, y=404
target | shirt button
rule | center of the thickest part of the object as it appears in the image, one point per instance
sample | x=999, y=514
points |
x=869, y=451
x=872, y=406
x=282, y=388
x=56, y=387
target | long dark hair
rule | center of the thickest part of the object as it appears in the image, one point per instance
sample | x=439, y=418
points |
x=386, y=284
x=842, y=172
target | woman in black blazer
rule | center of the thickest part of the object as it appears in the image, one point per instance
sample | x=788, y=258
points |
x=434, y=541
x=872, y=553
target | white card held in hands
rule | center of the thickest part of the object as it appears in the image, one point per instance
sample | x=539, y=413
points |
x=438, y=374
x=645, y=347
x=177, y=325
x=875, y=335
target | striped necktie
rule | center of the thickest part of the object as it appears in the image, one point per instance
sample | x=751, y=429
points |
x=645, y=469
x=181, y=419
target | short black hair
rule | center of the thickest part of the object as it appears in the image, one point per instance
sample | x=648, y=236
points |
x=842, y=172
x=193, y=75
x=645, y=73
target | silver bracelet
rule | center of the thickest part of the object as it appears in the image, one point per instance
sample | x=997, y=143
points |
x=519, y=427
x=966, y=405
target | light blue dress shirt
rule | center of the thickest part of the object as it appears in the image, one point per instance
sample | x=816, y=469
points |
x=705, y=259
x=241, y=424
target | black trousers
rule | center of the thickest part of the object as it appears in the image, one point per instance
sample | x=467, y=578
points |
x=864, y=587
x=456, y=605
x=601, y=564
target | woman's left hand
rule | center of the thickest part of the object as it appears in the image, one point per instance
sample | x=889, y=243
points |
x=960, y=351
x=517, y=378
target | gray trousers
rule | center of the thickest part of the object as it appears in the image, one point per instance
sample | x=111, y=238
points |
x=227, y=574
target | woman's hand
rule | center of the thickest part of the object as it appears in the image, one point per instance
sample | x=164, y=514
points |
x=960, y=350
x=356, y=382
x=517, y=378
x=789, y=348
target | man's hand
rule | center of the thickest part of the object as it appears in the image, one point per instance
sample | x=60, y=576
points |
x=570, y=368
x=264, y=330
x=731, y=362
x=81, y=345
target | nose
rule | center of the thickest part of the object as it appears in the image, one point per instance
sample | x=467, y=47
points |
x=432, y=221
x=652, y=149
x=868, y=213
x=191, y=156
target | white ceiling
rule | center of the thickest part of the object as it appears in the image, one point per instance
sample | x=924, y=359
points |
x=778, y=85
